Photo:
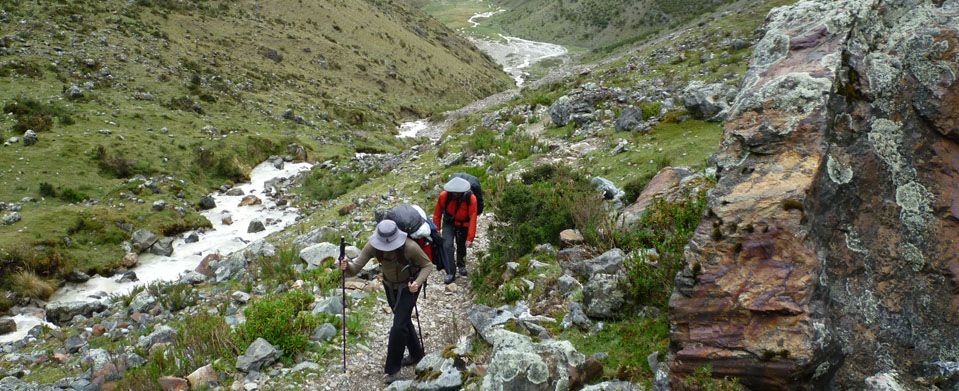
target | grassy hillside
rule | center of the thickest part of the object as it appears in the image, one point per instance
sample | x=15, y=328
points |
x=194, y=93
x=596, y=24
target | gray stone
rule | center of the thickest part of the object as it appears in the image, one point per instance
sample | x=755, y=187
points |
x=29, y=138
x=73, y=344
x=192, y=277
x=260, y=354
x=134, y=360
x=308, y=366
x=608, y=189
x=261, y=248
x=615, y=385
x=207, y=203
x=142, y=239
x=7, y=325
x=708, y=101
x=400, y=385
x=317, y=253
x=11, y=218
x=77, y=276
x=61, y=313
x=128, y=277
x=159, y=205
x=324, y=333
x=162, y=247
x=484, y=319
x=240, y=297
x=609, y=262
x=235, y=192
x=74, y=92
x=568, y=284
x=330, y=305
x=631, y=119
x=142, y=302
x=576, y=317
x=255, y=226
x=603, y=296
x=519, y=364
x=437, y=374
x=160, y=334
x=192, y=238
x=561, y=110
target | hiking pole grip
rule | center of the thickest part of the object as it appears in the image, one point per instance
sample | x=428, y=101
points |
x=343, y=297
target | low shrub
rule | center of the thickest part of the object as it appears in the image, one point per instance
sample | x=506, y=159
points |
x=28, y=284
x=702, y=380
x=283, y=320
x=47, y=190
x=323, y=185
x=650, y=109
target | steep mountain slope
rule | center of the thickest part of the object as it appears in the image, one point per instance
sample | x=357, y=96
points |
x=191, y=94
x=596, y=24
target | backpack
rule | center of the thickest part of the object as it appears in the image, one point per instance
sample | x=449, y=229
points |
x=475, y=188
x=410, y=220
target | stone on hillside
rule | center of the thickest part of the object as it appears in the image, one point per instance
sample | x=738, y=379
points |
x=207, y=203
x=571, y=237
x=332, y=305
x=162, y=247
x=97, y=359
x=255, y=226
x=61, y=313
x=205, y=267
x=130, y=260
x=240, y=297
x=128, y=277
x=306, y=366
x=484, y=319
x=324, y=333
x=608, y=189
x=74, y=343
x=561, y=110
x=143, y=302
x=142, y=239
x=437, y=373
x=261, y=248
x=7, y=325
x=260, y=354
x=517, y=363
x=29, y=138
x=250, y=200
x=317, y=253
x=603, y=296
x=671, y=184
x=77, y=276
x=297, y=151
x=576, y=317
x=235, y=192
x=159, y=205
x=74, y=92
x=192, y=238
x=572, y=255
x=192, y=278
x=170, y=383
x=160, y=334
x=609, y=262
x=11, y=218
x=204, y=376
x=708, y=101
x=568, y=284
x=613, y=385
x=631, y=119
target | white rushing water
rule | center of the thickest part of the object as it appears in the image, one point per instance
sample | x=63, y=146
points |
x=483, y=15
x=516, y=55
x=222, y=239
x=412, y=128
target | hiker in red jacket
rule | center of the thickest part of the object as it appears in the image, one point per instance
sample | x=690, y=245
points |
x=455, y=213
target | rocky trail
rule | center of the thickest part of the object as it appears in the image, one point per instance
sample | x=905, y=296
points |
x=443, y=311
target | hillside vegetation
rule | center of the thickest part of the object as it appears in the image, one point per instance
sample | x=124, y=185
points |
x=137, y=101
x=596, y=24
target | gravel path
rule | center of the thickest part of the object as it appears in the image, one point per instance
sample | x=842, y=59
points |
x=442, y=316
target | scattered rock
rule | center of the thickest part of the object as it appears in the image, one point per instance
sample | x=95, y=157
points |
x=631, y=119
x=129, y=260
x=332, y=305
x=571, y=237
x=7, y=325
x=603, y=296
x=235, y=192
x=255, y=226
x=708, y=101
x=160, y=334
x=142, y=302
x=159, y=205
x=142, y=239
x=77, y=276
x=317, y=253
x=671, y=183
x=308, y=366
x=162, y=247
x=568, y=284
x=260, y=354
x=227, y=220
x=73, y=344
x=324, y=333
x=609, y=262
x=11, y=218
x=192, y=238
x=29, y=138
x=61, y=313
x=207, y=203
x=128, y=277
x=170, y=383
x=204, y=376
x=250, y=200
x=240, y=297
x=204, y=267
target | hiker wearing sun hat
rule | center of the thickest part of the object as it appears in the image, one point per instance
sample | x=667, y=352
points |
x=456, y=212
x=405, y=268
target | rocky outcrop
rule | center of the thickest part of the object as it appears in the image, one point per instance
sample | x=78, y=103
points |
x=260, y=354
x=672, y=184
x=830, y=250
x=61, y=313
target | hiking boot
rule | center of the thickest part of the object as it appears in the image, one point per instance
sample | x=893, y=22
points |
x=390, y=378
x=409, y=360
x=449, y=278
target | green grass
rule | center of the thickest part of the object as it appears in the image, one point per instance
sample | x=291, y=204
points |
x=628, y=343
x=343, y=75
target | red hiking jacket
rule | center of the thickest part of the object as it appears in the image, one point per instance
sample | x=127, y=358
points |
x=463, y=216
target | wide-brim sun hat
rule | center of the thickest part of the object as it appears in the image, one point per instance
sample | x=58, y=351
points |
x=388, y=236
x=457, y=185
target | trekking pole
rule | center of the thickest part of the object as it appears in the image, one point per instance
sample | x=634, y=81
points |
x=343, y=298
x=419, y=326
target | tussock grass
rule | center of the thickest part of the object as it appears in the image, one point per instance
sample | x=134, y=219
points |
x=28, y=284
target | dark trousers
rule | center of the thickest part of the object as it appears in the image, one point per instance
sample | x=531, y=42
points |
x=452, y=234
x=403, y=334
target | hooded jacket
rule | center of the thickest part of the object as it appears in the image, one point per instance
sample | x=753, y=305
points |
x=464, y=214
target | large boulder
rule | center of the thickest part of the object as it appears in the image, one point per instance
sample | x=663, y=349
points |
x=207, y=203
x=518, y=363
x=62, y=313
x=315, y=255
x=708, y=101
x=610, y=262
x=631, y=119
x=162, y=247
x=142, y=240
x=260, y=354
x=604, y=296
x=7, y=325
x=561, y=110
x=830, y=252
